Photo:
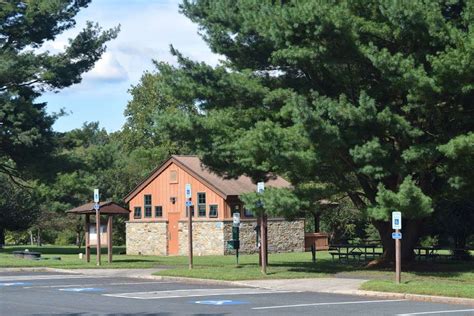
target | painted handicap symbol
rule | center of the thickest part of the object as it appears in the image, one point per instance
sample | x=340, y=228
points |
x=5, y=284
x=82, y=289
x=221, y=302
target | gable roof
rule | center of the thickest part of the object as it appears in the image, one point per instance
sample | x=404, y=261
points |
x=223, y=187
x=108, y=208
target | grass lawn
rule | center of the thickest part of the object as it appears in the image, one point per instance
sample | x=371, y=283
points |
x=444, y=278
x=282, y=266
x=291, y=265
x=70, y=258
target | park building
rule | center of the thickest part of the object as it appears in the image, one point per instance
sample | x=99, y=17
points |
x=158, y=215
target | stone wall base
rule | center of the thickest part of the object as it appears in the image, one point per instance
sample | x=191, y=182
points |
x=210, y=237
x=283, y=236
x=147, y=238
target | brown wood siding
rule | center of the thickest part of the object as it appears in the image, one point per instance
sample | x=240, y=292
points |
x=161, y=190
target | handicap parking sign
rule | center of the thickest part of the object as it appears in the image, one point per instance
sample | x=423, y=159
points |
x=221, y=302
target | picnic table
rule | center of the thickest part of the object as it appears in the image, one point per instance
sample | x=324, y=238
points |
x=355, y=251
x=434, y=252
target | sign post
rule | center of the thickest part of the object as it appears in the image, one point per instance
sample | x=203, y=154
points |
x=188, y=194
x=397, y=225
x=97, y=223
x=235, y=234
x=263, y=231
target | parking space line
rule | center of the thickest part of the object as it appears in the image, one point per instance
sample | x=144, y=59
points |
x=328, y=303
x=47, y=277
x=438, y=312
x=96, y=284
x=193, y=293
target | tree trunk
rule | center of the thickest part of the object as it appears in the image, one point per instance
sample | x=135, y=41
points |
x=38, y=238
x=32, y=241
x=2, y=237
x=410, y=235
x=78, y=240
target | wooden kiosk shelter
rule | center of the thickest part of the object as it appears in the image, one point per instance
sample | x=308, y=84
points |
x=109, y=209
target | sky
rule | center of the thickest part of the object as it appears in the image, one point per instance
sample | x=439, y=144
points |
x=148, y=27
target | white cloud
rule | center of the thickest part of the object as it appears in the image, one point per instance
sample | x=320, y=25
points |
x=147, y=29
x=107, y=69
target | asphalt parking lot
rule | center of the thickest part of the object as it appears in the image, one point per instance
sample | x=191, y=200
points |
x=42, y=293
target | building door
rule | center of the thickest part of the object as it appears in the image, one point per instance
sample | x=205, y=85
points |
x=173, y=242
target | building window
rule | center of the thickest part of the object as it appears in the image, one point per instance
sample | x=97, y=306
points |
x=137, y=212
x=201, y=204
x=147, y=199
x=158, y=211
x=192, y=210
x=248, y=213
x=201, y=198
x=173, y=176
x=147, y=206
x=202, y=210
x=213, y=210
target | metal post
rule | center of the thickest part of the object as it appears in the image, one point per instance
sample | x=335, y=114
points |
x=263, y=243
x=97, y=230
x=88, y=238
x=109, y=238
x=398, y=261
x=190, y=237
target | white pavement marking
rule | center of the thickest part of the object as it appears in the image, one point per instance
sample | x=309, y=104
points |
x=46, y=277
x=95, y=284
x=193, y=293
x=82, y=289
x=438, y=312
x=330, y=303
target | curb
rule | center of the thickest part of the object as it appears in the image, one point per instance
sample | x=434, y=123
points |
x=414, y=297
x=37, y=269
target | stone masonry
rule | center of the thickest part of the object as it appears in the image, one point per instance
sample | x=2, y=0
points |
x=210, y=237
x=147, y=238
x=283, y=236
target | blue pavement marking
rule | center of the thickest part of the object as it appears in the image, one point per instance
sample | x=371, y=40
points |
x=83, y=289
x=221, y=302
x=5, y=284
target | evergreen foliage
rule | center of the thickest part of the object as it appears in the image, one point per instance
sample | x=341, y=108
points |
x=371, y=97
